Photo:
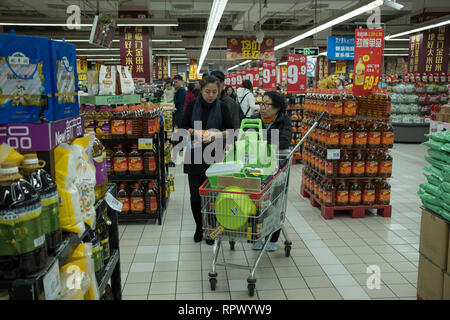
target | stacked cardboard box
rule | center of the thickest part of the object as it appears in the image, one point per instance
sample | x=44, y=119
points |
x=434, y=263
x=444, y=114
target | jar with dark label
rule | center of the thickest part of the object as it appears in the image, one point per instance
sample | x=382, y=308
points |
x=374, y=136
x=358, y=165
x=124, y=198
x=150, y=162
x=345, y=165
x=151, y=200
x=137, y=203
x=355, y=193
x=371, y=164
x=333, y=136
x=368, y=196
x=342, y=193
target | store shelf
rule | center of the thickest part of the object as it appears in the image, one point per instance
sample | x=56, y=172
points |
x=133, y=177
x=108, y=270
x=137, y=217
x=343, y=117
x=109, y=100
x=343, y=178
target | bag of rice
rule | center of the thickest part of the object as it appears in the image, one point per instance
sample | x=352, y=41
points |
x=107, y=81
x=436, y=163
x=433, y=190
x=433, y=144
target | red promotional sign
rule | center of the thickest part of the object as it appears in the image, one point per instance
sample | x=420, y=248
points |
x=296, y=73
x=240, y=77
x=227, y=79
x=252, y=74
x=269, y=76
x=233, y=79
x=368, y=60
x=134, y=51
x=250, y=49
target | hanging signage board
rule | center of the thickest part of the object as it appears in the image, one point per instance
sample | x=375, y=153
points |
x=227, y=80
x=434, y=50
x=161, y=69
x=193, y=69
x=322, y=67
x=240, y=77
x=341, y=66
x=368, y=60
x=296, y=73
x=311, y=66
x=134, y=51
x=341, y=48
x=314, y=52
x=252, y=74
x=269, y=76
x=233, y=79
x=284, y=74
x=250, y=49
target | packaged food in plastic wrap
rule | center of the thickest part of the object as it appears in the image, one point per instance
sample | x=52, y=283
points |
x=107, y=81
x=433, y=180
x=436, y=163
x=439, y=155
x=433, y=190
x=125, y=80
x=433, y=144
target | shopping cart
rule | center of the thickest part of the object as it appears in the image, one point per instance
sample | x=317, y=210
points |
x=234, y=214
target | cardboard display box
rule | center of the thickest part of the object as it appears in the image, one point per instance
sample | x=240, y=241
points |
x=446, y=293
x=430, y=282
x=434, y=239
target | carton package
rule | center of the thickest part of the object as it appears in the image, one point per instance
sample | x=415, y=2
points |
x=92, y=82
x=107, y=81
x=430, y=281
x=434, y=239
x=26, y=73
x=124, y=80
x=446, y=293
x=65, y=81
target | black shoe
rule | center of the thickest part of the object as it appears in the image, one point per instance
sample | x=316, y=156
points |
x=209, y=241
x=198, y=236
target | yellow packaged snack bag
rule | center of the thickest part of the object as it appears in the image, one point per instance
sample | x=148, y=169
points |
x=75, y=176
x=8, y=154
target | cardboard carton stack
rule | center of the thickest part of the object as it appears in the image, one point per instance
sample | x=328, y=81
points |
x=444, y=114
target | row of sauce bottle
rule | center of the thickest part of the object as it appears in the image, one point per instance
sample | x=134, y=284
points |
x=139, y=197
x=133, y=161
x=134, y=121
x=371, y=163
x=349, y=134
x=341, y=193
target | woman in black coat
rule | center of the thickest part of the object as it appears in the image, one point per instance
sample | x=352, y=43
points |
x=211, y=114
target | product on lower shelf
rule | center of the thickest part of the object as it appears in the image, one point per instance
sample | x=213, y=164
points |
x=139, y=198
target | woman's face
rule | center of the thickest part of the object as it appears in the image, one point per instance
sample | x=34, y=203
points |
x=267, y=110
x=229, y=91
x=168, y=86
x=210, y=92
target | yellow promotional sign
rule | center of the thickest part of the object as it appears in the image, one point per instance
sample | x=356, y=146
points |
x=82, y=69
x=341, y=66
x=193, y=69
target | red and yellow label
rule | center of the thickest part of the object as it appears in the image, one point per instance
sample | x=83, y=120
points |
x=372, y=167
x=374, y=138
x=120, y=164
x=384, y=195
x=329, y=168
x=342, y=197
x=118, y=127
x=135, y=164
x=345, y=168
x=333, y=138
x=358, y=168
x=368, y=196
x=137, y=204
x=355, y=196
x=350, y=108
x=360, y=138
x=387, y=138
x=347, y=139
x=385, y=167
x=125, y=204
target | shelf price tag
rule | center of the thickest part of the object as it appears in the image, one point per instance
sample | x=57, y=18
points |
x=113, y=203
x=145, y=144
x=52, y=282
x=333, y=154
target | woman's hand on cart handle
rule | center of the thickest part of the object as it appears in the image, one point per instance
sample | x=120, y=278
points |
x=321, y=116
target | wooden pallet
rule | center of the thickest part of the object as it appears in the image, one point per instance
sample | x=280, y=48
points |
x=354, y=211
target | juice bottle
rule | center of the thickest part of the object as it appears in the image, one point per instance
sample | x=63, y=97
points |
x=317, y=186
x=44, y=184
x=331, y=167
x=349, y=106
x=151, y=200
x=124, y=198
x=109, y=163
x=345, y=165
x=371, y=164
x=374, y=135
x=336, y=105
x=321, y=185
x=23, y=249
x=150, y=162
x=118, y=124
x=383, y=193
x=135, y=161
x=333, y=136
x=322, y=156
x=355, y=193
x=101, y=178
x=137, y=203
x=120, y=162
x=358, y=165
x=346, y=136
x=89, y=121
x=368, y=196
x=342, y=193
x=385, y=165
x=134, y=122
x=387, y=136
x=360, y=136
x=329, y=194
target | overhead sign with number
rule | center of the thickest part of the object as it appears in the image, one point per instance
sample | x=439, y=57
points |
x=269, y=75
x=368, y=60
x=307, y=51
x=252, y=74
x=233, y=79
x=227, y=80
x=240, y=77
x=296, y=73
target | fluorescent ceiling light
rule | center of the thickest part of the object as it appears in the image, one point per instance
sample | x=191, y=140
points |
x=429, y=26
x=393, y=4
x=169, y=49
x=147, y=24
x=240, y=64
x=215, y=15
x=117, y=40
x=166, y=40
x=97, y=49
x=103, y=59
x=45, y=24
x=282, y=63
x=395, y=54
x=322, y=54
x=170, y=55
x=396, y=39
x=351, y=14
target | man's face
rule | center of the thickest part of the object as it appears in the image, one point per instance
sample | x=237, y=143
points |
x=177, y=83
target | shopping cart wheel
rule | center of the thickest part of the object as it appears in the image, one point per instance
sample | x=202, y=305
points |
x=251, y=289
x=232, y=243
x=213, y=282
x=287, y=251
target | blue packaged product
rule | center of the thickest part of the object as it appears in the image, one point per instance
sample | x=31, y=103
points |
x=25, y=76
x=65, y=80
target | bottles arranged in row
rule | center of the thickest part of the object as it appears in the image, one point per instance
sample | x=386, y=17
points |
x=295, y=139
x=376, y=105
x=334, y=102
x=296, y=116
x=345, y=193
x=134, y=121
x=134, y=161
x=349, y=134
x=351, y=164
x=30, y=228
x=139, y=197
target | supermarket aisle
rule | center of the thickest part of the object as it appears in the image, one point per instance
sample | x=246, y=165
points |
x=329, y=258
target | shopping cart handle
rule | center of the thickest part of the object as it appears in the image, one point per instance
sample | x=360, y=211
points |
x=321, y=116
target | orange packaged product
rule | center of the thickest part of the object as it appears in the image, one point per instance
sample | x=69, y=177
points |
x=135, y=161
x=321, y=156
x=342, y=193
x=137, y=205
x=333, y=136
x=358, y=165
x=368, y=195
x=371, y=164
x=346, y=136
x=383, y=193
x=350, y=106
x=360, y=135
x=374, y=135
x=321, y=189
x=118, y=123
x=385, y=165
x=124, y=198
x=329, y=194
x=120, y=161
x=355, y=193
x=387, y=136
x=345, y=165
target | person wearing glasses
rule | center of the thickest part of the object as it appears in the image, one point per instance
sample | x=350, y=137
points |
x=273, y=117
x=213, y=114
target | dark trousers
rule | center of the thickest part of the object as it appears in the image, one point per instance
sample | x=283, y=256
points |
x=275, y=236
x=195, y=182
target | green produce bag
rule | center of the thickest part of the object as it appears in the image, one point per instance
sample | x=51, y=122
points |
x=446, y=147
x=446, y=173
x=433, y=190
x=445, y=187
x=433, y=144
x=438, y=136
x=436, y=163
x=434, y=171
x=439, y=155
x=433, y=180
x=445, y=197
x=445, y=206
x=426, y=197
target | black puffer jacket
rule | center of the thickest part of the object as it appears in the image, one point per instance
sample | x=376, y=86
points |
x=283, y=124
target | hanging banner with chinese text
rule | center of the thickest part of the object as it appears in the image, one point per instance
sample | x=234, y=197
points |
x=415, y=43
x=284, y=74
x=340, y=48
x=435, y=50
x=134, y=51
x=193, y=64
x=341, y=66
x=269, y=76
x=250, y=49
x=368, y=60
x=322, y=68
x=296, y=73
x=161, y=68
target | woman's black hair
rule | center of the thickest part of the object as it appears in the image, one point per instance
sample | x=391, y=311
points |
x=191, y=87
x=169, y=82
x=207, y=80
x=227, y=87
x=248, y=85
x=278, y=100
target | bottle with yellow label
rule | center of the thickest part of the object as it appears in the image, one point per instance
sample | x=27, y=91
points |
x=359, y=72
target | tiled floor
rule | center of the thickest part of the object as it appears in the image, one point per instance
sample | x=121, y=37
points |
x=329, y=258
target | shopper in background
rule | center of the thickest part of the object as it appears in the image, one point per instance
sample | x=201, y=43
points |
x=169, y=92
x=197, y=88
x=233, y=107
x=246, y=99
x=189, y=95
x=179, y=99
x=213, y=114
x=272, y=116
x=230, y=92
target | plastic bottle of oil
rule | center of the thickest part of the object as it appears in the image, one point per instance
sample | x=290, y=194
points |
x=44, y=184
x=368, y=195
x=124, y=197
x=23, y=250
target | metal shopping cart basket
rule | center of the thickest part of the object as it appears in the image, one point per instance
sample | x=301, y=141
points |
x=235, y=214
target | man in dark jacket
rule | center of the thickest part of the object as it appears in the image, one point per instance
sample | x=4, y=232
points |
x=232, y=105
x=179, y=99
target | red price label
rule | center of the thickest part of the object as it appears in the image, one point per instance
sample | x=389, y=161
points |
x=296, y=73
x=269, y=75
x=233, y=79
x=227, y=80
x=252, y=74
x=239, y=77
